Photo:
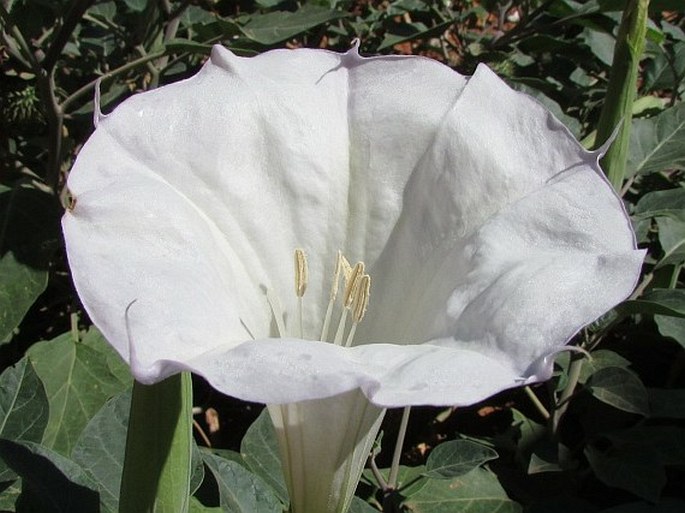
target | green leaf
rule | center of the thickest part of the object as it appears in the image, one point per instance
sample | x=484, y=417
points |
x=197, y=507
x=23, y=407
x=57, y=483
x=241, y=491
x=259, y=449
x=277, y=26
x=456, y=458
x=136, y=5
x=601, y=359
x=158, y=457
x=657, y=302
x=658, y=143
x=359, y=506
x=29, y=231
x=475, y=492
x=187, y=45
x=116, y=365
x=672, y=327
x=78, y=380
x=672, y=240
x=621, y=389
x=23, y=403
x=100, y=449
x=669, y=203
x=11, y=491
x=666, y=71
x=601, y=44
x=636, y=468
x=409, y=31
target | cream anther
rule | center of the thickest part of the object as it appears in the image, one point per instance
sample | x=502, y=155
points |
x=361, y=300
x=301, y=272
x=352, y=283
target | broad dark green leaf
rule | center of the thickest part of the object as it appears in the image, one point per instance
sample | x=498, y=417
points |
x=657, y=302
x=666, y=70
x=601, y=359
x=29, y=231
x=195, y=506
x=241, y=491
x=187, y=45
x=456, y=458
x=259, y=449
x=100, y=449
x=277, y=26
x=476, y=492
x=408, y=32
x=23, y=407
x=673, y=327
x=10, y=492
x=672, y=240
x=78, y=380
x=116, y=365
x=136, y=5
x=658, y=143
x=621, y=389
x=636, y=468
x=409, y=479
x=544, y=458
x=359, y=506
x=601, y=44
x=57, y=483
x=669, y=203
x=23, y=403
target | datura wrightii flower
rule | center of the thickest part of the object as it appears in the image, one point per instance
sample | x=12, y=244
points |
x=449, y=237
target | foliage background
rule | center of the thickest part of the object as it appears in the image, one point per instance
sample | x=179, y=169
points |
x=615, y=439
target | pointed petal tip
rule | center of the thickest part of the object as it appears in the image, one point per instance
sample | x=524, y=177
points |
x=222, y=57
x=97, y=111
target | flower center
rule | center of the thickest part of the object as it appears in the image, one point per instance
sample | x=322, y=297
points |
x=355, y=286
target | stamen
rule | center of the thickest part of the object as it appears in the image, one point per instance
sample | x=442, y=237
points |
x=301, y=279
x=351, y=286
x=277, y=310
x=352, y=283
x=334, y=293
x=301, y=272
x=361, y=302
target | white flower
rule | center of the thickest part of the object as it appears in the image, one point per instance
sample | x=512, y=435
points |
x=489, y=234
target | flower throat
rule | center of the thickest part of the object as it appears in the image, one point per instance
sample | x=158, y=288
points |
x=355, y=287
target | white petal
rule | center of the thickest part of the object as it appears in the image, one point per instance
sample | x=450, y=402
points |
x=489, y=232
x=324, y=445
x=191, y=198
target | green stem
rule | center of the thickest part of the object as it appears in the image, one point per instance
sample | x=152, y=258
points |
x=74, y=15
x=66, y=104
x=395, y=467
x=622, y=89
x=573, y=378
x=157, y=465
x=536, y=402
x=16, y=34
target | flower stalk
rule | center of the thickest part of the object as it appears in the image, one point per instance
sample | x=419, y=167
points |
x=157, y=464
x=622, y=90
